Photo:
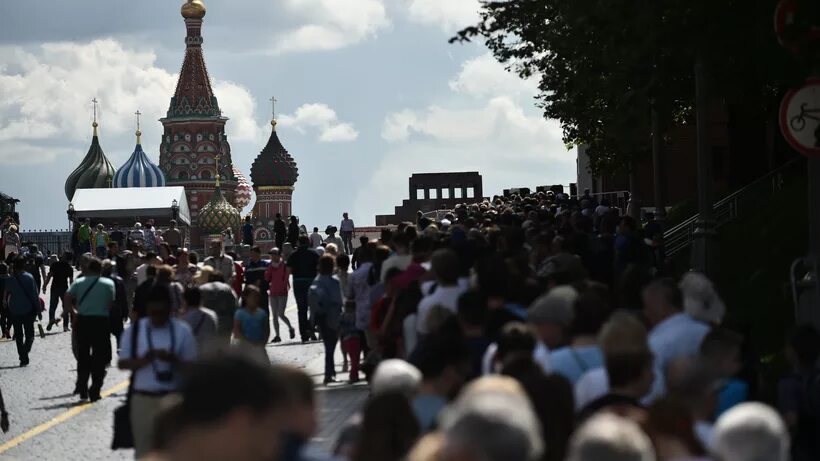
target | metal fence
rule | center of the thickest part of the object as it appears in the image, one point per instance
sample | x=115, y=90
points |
x=48, y=241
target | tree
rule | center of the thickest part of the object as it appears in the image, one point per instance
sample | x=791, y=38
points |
x=602, y=62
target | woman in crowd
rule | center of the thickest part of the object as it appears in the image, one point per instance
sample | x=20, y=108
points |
x=250, y=326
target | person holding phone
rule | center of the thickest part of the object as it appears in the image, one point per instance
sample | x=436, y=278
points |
x=154, y=348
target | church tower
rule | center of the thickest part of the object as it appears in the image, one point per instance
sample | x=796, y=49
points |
x=194, y=150
x=273, y=175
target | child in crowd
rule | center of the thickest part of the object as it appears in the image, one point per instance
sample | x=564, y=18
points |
x=250, y=325
x=350, y=340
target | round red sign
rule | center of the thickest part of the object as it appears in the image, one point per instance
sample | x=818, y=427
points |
x=800, y=118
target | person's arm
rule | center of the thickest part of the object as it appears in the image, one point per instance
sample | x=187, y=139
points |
x=47, y=279
x=237, y=330
x=128, y=359
x=4, y=416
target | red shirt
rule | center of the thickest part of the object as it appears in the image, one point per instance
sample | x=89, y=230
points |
x=238, y=277
x=277, y=278
x=413, y=272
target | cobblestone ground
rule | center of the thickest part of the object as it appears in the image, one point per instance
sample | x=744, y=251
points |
x=47, y=422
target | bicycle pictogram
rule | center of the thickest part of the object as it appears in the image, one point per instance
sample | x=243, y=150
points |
x=798, y=122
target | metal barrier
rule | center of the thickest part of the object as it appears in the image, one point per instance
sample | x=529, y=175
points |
x=48, y=241
x=733, y=205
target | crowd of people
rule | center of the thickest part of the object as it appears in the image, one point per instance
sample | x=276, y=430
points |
x=527, y=327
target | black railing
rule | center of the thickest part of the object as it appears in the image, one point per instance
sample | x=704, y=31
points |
x=48, y=241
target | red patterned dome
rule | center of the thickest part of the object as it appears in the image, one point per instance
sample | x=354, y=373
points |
x=242, y=193
x=274, y=166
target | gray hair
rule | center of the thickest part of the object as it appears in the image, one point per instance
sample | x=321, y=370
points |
x=494, y=426
x=608, y=437
x=557, y=306
x=751, y=432
x=107, y=268
x=395, y=375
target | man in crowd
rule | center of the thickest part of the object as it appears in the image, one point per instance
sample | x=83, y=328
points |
x=219, y=297
x=173, y=236
x=255, y=275
x=219, y=261
x=316, y=238
x=247, y=232
x=674, y=333
x=280, y=231
x=346, y=229
x=155, y=349
x=20, y=297
x=303, y=264
x=61, y=275
x=90, y=299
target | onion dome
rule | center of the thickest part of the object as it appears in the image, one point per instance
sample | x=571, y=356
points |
x=274, y=166
x=95, y=171
x=242, y=193
x=139, y=171
x=193, y=9
x=218, y=215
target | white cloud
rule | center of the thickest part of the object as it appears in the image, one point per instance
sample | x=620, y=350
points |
x=488, y=124
x=323, y=119
x=450, y=15
x=331, y=24
x=45, y=94
x=485, y=76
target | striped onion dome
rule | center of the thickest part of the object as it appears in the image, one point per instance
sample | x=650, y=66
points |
x=95, y=171
x=242, y=193
x=218, y=215
x=139, y=171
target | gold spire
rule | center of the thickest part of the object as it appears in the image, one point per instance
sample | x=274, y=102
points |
x=193, y=9
x=138, y=133
x=273, y=113
x=94, y=123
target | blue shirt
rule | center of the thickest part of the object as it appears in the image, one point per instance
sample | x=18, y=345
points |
x=678, y=336
x=427, y=408
x=23, y=291
x=573, y=362
x=99, y=293
x=253, y=324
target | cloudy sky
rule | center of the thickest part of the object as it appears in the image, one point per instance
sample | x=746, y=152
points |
x=369, y=92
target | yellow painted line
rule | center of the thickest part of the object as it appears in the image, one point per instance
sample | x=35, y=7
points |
x=59, y=419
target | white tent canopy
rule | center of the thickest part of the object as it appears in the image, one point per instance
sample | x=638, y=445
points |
x=132, y=203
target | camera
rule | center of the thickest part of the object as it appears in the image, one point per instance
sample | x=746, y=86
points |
x=164, y=376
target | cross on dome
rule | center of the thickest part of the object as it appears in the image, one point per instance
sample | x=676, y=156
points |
x=138, y=133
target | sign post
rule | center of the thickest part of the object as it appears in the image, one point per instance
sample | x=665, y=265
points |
x=798, y=31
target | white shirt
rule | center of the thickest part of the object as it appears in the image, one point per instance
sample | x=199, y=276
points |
x=678, y=336
x=446, y=297
x=142, y=274
x=315, y=240
x=540, y=355
x=184, y=347
x=359, y=290
x=223, y=264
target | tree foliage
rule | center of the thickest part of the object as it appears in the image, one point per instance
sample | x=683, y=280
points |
x=602, y=63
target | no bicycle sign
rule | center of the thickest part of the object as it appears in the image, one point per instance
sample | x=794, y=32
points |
x=800, y=118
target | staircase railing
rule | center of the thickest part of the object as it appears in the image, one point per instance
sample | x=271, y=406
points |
x=729, y=208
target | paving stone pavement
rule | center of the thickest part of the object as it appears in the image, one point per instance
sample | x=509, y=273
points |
x=40, y=393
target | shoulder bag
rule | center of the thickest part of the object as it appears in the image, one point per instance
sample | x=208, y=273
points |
x=123, y=435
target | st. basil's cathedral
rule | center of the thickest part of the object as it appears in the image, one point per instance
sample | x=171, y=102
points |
x=195, y=153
